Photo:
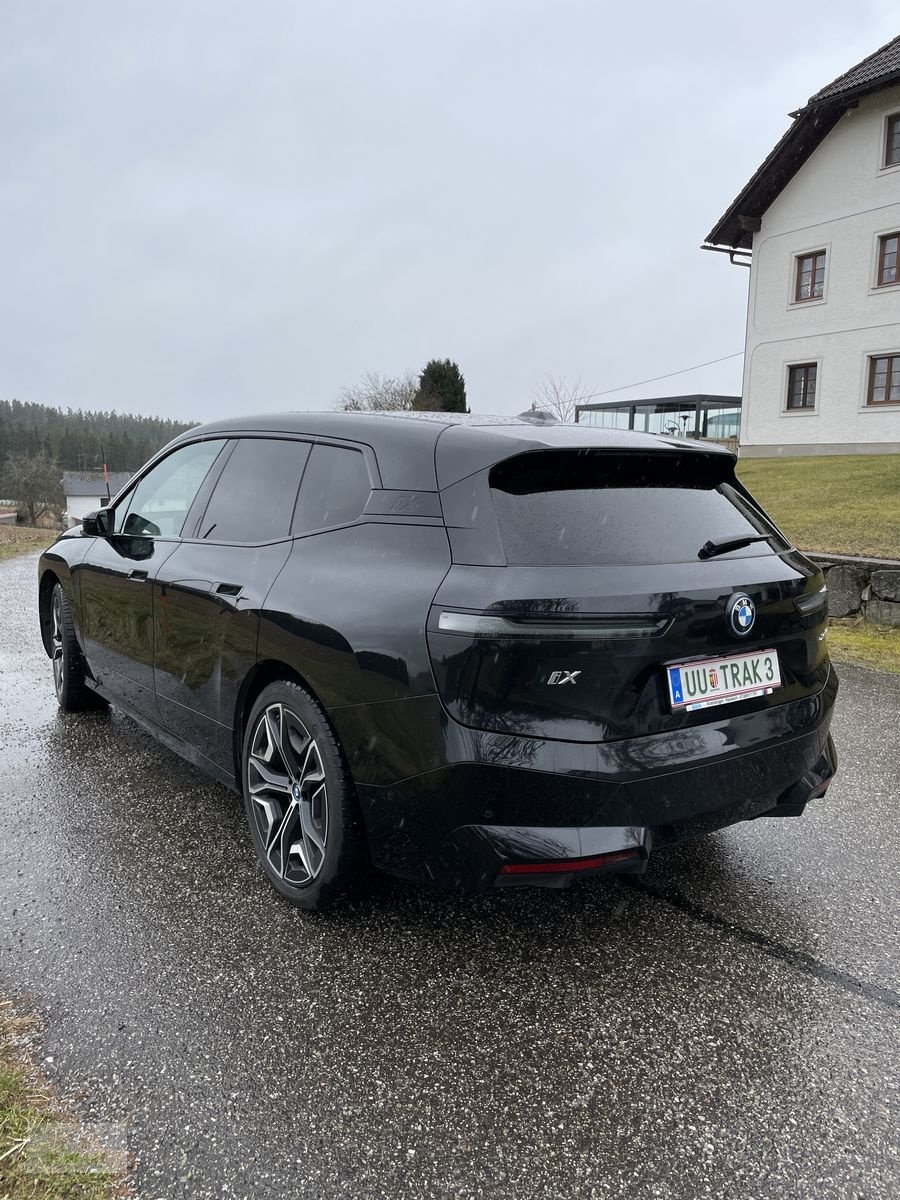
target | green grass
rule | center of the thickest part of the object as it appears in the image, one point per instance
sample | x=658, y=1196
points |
x=42, y=1155
x=853, y=641
x=845, y=504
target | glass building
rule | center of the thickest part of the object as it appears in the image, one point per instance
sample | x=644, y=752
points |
x=715, y=418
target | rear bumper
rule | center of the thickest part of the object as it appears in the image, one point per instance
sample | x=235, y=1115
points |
x=498, y=800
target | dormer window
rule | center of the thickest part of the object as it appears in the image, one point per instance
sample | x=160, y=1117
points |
x=810, y=282
x=892, y=141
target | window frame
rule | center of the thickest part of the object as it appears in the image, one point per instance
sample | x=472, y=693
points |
x=127, y=495
x=789, y=410
x=799, y=258
x=880, y=241
x=870, y=404
x=891, y=122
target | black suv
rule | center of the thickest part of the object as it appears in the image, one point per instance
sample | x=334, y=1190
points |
x=474, y=651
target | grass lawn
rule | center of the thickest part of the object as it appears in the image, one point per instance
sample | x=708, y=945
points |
x=18, y=539
x=43, y=1156
x=846, y=504
x=851, y=640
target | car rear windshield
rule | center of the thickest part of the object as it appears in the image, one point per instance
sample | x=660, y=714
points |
x=565, y=508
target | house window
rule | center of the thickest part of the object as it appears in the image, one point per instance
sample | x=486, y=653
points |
x=892, y=141
x=801, y=391
x=888, y=247
x=884, y=379
x=810, y=283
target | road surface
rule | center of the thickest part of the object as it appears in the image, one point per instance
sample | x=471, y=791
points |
x=726, y=1026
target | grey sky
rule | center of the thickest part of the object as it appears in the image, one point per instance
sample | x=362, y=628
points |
x=210, y=207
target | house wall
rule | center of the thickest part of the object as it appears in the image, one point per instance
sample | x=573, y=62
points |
x=77, y=507
x=840, y=200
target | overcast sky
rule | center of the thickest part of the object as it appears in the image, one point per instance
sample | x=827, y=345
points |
x=210, y=207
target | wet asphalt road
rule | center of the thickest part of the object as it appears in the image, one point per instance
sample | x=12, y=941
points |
x=727, y=1026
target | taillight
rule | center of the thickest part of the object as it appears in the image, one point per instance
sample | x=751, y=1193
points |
x=812, y=601
x=616, y=625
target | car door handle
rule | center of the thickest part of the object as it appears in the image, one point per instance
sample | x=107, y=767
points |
x=228, y=589
x=139, y=576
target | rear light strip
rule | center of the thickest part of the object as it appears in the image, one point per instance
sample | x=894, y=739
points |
x=566, y=865
x=479, y=625
x=815, y=600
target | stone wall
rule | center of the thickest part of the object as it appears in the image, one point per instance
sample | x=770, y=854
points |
x=862, y=586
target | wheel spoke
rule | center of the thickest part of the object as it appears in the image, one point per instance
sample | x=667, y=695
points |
x=310, y=832
x=269, y=779
x=285, y=839
x=272, y=724
x=294, y=743
x=312, y=771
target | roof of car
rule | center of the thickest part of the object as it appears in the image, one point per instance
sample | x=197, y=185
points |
x=405, y=443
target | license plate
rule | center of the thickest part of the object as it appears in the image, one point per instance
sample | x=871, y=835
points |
x=722, y=680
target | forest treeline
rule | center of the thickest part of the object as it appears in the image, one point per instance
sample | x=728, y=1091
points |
x=73, y=438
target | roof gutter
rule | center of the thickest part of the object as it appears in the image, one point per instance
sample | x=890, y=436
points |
x=743, y=261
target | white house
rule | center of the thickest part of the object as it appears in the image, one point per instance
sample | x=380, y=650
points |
x=819, y=223
x=85, y=491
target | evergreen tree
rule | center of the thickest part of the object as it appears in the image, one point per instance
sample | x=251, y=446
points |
x=442, y=388
x=72, y=438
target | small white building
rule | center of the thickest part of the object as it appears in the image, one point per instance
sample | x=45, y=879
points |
x=819, y=224
x=85, y=492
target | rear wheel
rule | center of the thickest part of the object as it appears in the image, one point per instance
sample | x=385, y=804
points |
x=69, y=667
x=300, y=803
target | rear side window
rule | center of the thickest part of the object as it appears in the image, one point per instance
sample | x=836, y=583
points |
x=253, y=500
x=335, y=489
x=574, y=508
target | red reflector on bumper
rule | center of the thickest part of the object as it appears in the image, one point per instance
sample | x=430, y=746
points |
x=566, y=865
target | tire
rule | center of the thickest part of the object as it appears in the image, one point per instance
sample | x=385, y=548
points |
x=69, y=667
x=300, y=801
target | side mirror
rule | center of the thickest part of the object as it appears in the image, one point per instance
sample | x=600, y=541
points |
x=97, y=524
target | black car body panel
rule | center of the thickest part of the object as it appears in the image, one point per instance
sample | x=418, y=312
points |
x=431, y=652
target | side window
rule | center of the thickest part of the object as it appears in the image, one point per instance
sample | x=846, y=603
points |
x=335, y=489
x=253, y=500
x=159, y=504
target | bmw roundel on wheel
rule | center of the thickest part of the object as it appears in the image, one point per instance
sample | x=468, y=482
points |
x=475, y=652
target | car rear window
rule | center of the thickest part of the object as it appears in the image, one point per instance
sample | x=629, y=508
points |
x=567, y=508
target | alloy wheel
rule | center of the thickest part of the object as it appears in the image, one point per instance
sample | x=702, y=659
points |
x=287, y=786
x=56, y=642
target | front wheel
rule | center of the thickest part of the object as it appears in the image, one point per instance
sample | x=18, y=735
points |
x=300, y=803
x=69, y=667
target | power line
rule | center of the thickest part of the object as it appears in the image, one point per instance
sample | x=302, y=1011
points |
x=656, y=378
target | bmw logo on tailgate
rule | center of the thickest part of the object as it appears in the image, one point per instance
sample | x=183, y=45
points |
x=741, y=614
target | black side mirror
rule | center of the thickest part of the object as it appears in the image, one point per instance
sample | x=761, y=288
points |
x=97, y=524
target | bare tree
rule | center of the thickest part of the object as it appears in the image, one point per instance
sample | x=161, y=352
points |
x=35, y=483
x=380, y=393
x=559, y=397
